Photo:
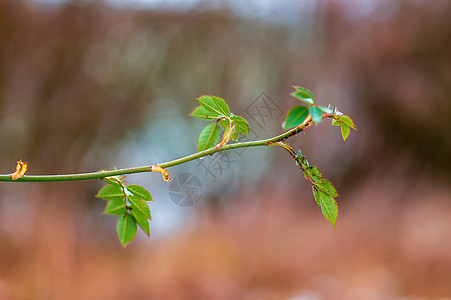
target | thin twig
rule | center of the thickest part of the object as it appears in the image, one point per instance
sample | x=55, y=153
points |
x=102, y=174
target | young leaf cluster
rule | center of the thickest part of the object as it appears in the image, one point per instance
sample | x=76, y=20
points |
x=345, y=123
x=323, y=190
x=129, y=202
x=298, y=114
x=216, y=109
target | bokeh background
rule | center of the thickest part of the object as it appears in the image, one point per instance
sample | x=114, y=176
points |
x=89, y=85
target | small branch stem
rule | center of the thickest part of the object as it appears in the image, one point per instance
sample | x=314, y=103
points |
x=102, y=174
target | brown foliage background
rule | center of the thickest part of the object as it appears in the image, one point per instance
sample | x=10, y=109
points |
x=82, y=81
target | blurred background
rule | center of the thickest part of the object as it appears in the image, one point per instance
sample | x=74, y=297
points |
x=89, y=85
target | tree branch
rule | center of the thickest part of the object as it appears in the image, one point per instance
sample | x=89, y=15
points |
x=102, y=174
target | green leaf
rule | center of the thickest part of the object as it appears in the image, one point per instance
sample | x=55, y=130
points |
x=303, y=97
x=201, y=113
x=209, y=137
x=115, y=207
x=348, y=121
x=314, y=173
x=142, y=221
x=222, y=105
x=111, y=192
x=303, y=89
x=316, y=113
x=215, y=105
x=327, y=187
x=126, y=228
x=241, y=124
x=295, y=116
x=345, y=123
x=140, y=206
x=345, y=131
x=140, y=192
x=327, y=203
x=303, y=94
